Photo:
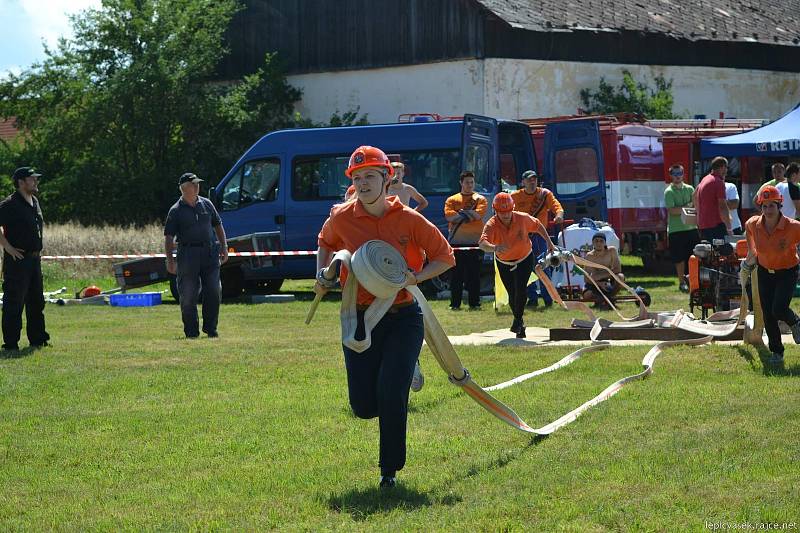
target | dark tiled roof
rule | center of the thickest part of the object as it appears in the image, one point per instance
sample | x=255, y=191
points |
x=768, y=22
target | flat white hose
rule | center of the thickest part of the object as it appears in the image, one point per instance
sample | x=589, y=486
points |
x=379, y=267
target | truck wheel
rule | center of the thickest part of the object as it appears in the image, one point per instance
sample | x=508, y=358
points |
x=232, y=282
x=264, y=286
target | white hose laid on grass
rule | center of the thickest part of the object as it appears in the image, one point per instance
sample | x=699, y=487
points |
x=380, y=269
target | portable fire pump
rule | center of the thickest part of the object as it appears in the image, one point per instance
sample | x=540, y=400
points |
x=714, y=276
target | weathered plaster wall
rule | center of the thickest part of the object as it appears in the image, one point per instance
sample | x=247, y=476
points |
x=450, y=88
x=532, y=88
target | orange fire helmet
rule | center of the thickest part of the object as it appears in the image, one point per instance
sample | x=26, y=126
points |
x=368, y=156
x=769, y=194
x=503, y=203
x=88, y=292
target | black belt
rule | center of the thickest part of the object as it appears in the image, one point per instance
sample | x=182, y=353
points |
x=194, y=244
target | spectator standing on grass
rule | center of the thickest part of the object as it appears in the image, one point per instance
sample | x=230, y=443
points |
x=713, y=217
x=193, y=221
x=21, y=239
x=464, y=213
x=405, y=192
x=732, y=199
x=539, y=203
x=682, y=236
x=789, y=189
x=777, y=171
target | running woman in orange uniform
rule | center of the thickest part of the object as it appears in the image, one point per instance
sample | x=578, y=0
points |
x=506, y=234
x=379, y=378
x=772, y=241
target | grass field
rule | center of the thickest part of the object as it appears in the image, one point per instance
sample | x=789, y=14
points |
x=122, y=424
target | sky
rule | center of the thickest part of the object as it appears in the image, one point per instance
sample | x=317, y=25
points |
x=27, y=24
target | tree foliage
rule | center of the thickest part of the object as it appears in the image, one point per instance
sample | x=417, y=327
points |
x=114, y=115
x=631, y=97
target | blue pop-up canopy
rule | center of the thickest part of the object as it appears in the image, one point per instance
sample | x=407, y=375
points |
x=780, y=138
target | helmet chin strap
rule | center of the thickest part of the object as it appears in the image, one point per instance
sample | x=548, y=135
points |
x=383, y=191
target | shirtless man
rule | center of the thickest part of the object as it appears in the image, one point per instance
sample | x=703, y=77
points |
x=404, y=191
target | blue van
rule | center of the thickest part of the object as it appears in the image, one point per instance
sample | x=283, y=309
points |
x=288, y=181
x=279, y=193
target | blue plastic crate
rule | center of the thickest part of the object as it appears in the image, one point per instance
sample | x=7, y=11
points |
x=136, y=299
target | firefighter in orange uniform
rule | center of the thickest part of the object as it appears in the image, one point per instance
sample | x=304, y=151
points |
x=464, y=212
x=772, y=241
x=379, y=378
x=539, y=203
x=506, y=235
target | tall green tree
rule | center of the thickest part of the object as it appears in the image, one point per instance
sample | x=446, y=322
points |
x=116, y=113
x=631, y=96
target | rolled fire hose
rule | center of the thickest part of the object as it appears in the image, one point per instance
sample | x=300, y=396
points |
x=379, y=267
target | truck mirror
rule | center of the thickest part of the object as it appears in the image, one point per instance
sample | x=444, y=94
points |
x=212, y=195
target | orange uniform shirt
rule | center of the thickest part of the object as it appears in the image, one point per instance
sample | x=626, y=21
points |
x=350, y=225
x=776, y=250
x=514, y=236
x=468, y=232
x=538, y=204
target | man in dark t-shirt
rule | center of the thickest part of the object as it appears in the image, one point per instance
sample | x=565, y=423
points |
x=21, y=239
x=193, y=222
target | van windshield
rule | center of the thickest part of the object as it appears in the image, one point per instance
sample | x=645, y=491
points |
x=431, y=172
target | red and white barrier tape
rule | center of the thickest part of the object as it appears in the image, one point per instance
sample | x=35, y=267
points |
x=230, y=254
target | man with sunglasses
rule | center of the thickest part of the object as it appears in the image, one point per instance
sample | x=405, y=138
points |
x=21, y=239
x=682, y=236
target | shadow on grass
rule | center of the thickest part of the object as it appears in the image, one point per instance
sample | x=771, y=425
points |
x=360, y=504
x=18, y=354
x=766, y=368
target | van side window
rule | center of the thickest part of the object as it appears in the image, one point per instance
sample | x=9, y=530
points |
x=318, y=178
x=432, y=172
x=576, y=170
x=256, y=181
x=477, y=160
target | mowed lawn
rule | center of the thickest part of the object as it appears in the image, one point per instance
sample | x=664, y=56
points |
x=124, y=425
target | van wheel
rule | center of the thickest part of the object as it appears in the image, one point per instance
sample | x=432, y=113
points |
x=232, y=283
x=173, y=288
x=263, y=286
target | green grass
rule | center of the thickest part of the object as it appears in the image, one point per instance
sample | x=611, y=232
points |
x=124, y=425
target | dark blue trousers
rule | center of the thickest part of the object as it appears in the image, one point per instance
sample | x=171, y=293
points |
x=199, y=267
x=378, y=380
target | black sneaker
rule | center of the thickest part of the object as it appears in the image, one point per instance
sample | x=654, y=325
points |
x=521, y=333
x=213, y=334
x=515, y=326
x=475, y=307
x=40, y=344
x=388, y=482
x=9, y=348
x=548, y=304
x=455, y=308
x=532, y=303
